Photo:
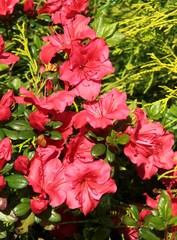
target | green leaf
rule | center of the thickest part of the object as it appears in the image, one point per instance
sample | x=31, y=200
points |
x=21, y=209
x=130, y=222
x=54, y=124
x=103, y=28
x=173, y=221
x=8, y=218
x=135, y=212
x=123, y=139
x=164, y=206
x=16, y=181
x=55, y=217
x=146, y=234
x=110, y=155
x=26, y=134
x=101, y=234
x=13, y=135
x=98, y=150
x=3, y=235
x=115, y=39
x=2, y=134
x=25, y=200
x=19, y=125
x=25, y=224
x=3, y=67
x=55, y=135
x=155, y=222
x=6, y=168
x=16, y=83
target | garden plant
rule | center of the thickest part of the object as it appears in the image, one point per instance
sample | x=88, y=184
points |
x=88, y=119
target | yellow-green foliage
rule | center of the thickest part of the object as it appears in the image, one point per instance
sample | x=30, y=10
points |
x=146, y=58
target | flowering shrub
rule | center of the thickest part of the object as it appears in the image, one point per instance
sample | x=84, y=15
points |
x=74, y=162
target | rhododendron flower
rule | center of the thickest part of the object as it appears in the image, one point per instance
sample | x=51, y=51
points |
x=5, y=57
x=74, y=30
x=5, y=151
x=87, y=62
x=21, y=164
x=38, y=205
x=5, y=104
x=78, y=149
x=38, y=120
x=69, y=9
x=7, y=6
x=150, y=146
x=101, y=113
x=48, y=179
x=28, y=6
x=2, y=183
x=48, y=105
x=87, y=182
x=50, y=6
x=47, y=153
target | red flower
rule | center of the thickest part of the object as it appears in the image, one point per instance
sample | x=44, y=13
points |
x=38, y=205
x=74, y=30
x=87, y=62
x=2, y=184
x=150, y=146
x=38, y=120
x=50, y=6
x=5, y=57
x=5, y=151
x=78, y=149
x=5, y=103
x=87, y=182
x=101, y=113
x=48, y=105
x=48, y=179
x=7, y=6
x=28, y=6
x=21, y=164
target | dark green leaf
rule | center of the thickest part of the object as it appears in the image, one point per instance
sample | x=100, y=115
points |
x=123, y=139
x=55, y=217
x=16, y=181
x=11, y=134
x=25, y=200
x=2, y=134
x=54, y=124
x=130, y=222
x=146, y=234
x=98, y=150
x=26, y=134
x=173, y=221
x=154, y=222
x=19, y=125
x=110, y=155
x=6, y=168
x=21, y=209
x=135, y=212
x=55, y=135
x=164, y=206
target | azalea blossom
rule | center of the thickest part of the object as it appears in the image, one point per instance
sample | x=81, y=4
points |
x=28, y=6
x=7, y=6
x=78, y=149
x=53, y=104
x=150, y=146
x=38, y=204
x=48, y=179
x=21, y=164
x=5, y=57
x=87, y=62
x=38, y=120
x=50, y=6
x=2, y=185
x=101, y=113
x=74, y=30
x=5, y=151
x=5, y=103
x=87, y=182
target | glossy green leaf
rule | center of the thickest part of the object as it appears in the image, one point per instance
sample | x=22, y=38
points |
x=2, y=134
x=6, y=168
x=16, y=83
x=115, y=39
x=155, y=222
x=164, y=206
x=123, y=139
x=13, y=135
x=54, y=124
x=110, y=155
x=26, y=134
x=55, y=217
x=130, y=222
x=21, y=209
x=98, y=150
x=55, y=135
x=135, y=212
x=16, y=181
x=25, y=200
x=19, y=125
x=147, y=234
